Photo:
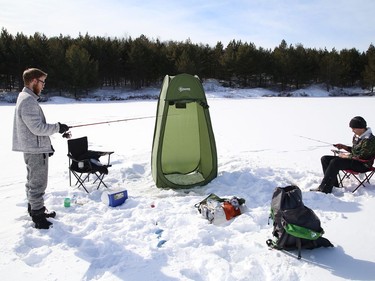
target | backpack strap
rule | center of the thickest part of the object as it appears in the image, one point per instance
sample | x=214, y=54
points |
x=270, y=243
x=299, y=245
x=282, y=240
x=279, y=244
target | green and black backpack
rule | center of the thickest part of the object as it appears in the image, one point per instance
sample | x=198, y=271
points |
x=295, y=226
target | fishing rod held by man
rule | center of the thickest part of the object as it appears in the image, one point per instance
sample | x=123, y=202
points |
x=112, y=121
x=68, y=134
x=316, y=140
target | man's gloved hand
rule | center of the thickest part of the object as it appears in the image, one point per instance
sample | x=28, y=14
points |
x=63, y=128
x=339, y=145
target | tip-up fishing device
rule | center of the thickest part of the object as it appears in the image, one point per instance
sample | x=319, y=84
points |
x=68, y=134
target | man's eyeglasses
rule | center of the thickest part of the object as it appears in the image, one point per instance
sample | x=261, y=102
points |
x=41, y=81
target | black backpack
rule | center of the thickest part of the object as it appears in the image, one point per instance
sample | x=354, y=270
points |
x=295, y=226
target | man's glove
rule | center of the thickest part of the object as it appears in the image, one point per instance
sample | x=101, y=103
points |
x=63, y=128
x=339, y=146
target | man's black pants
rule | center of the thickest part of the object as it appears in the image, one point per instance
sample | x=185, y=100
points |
x=332, y=165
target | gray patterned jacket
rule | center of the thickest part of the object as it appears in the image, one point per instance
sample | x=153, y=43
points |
x=30, y=130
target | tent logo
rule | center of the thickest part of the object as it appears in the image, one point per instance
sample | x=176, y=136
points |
x=181, y=89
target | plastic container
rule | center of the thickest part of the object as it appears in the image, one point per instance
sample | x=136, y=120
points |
x=67, y=202
x=114, y=198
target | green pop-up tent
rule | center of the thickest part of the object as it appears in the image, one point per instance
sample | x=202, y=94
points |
x=184, y=150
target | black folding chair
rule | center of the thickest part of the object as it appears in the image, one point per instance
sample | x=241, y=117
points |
x=84, y=162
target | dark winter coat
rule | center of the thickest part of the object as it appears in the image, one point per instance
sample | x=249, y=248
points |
x=364, y=146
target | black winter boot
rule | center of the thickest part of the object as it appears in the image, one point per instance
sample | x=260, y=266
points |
x=41, y=222
x=47, y=214
x=39, y=218
x=327, y=188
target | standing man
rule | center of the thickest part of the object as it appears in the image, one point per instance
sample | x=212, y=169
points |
x=31, y=136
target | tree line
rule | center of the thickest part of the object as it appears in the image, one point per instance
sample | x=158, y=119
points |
x=76, y=65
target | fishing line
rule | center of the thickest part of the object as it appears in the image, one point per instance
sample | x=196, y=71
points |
x=328, y=143
x=112, y=121
x=68, y=134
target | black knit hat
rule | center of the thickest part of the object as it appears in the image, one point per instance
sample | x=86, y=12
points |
x=358, y=123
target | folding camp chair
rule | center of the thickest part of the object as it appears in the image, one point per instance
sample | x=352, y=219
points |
x=83, y=162
x=361, y=177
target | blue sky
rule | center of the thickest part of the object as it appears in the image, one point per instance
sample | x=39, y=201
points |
x=316, y=24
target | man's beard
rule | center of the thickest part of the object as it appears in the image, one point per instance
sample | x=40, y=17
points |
x=36, y=89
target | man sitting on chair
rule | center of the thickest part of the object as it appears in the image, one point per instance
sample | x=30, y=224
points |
x=363, y=149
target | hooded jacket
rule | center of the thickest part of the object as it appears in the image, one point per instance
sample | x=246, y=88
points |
x=30, y=130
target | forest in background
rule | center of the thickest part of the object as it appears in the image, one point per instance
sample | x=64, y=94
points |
x=78, y=65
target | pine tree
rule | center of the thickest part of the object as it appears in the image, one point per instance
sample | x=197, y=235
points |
x=83, y=71
x=369, y=73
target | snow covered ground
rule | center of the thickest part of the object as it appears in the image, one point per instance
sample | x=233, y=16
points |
x=261, y=142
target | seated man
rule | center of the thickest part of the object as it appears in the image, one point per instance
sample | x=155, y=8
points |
x=363, y=148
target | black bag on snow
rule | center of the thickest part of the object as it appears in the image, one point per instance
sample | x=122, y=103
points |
x=295, y=226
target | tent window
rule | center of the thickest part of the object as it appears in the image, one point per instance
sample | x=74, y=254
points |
x=180, y=105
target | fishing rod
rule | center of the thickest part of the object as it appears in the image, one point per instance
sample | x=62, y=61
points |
x=68, y=134
x=112, y=121
x=316, y=140
x=335, y=151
